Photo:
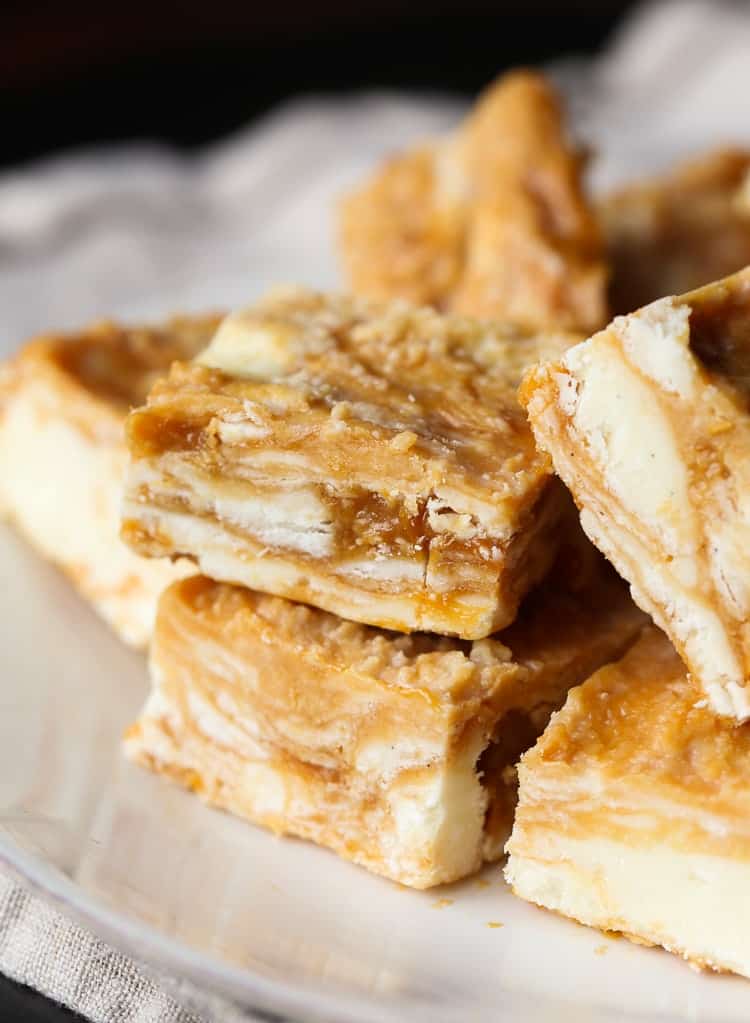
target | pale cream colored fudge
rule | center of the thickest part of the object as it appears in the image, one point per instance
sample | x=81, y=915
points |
x=634, y=812
x=648, y=425
x=491, y=221
x=369, y=459
x=395, y=751
x=63, y=403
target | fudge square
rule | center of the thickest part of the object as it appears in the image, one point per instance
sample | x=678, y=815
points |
x=63, y=403
x=648, y=424
x=371, y=460
x=394, y=750
x=633, y=812
x=679, y=231
x=491, y=220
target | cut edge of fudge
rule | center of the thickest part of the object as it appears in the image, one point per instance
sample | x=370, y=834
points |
x=648, y=425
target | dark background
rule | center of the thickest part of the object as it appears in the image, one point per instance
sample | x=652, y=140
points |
x=84, y=73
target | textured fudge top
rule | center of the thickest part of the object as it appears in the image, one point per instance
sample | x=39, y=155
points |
x=644, y=717
x=558, y=628
x=366, y=390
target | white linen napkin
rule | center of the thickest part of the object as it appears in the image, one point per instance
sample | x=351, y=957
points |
x=140, y=232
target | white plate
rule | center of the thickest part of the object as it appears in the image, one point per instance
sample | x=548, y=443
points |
x=276, y=924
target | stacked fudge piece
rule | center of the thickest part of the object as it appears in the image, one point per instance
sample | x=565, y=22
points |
x=361, y=486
